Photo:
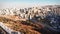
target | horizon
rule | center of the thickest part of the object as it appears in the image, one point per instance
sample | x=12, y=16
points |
x=26, y=3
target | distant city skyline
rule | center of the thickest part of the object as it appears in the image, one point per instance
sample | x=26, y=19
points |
x=26, y=3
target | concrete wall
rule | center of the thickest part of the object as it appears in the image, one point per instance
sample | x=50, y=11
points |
x=10, y=31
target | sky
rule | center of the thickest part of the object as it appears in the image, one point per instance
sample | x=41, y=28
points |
x=26, y=3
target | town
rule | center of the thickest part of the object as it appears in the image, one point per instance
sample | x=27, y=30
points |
x=36, y=15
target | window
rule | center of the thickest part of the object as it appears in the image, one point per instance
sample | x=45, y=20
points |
x=14, y=32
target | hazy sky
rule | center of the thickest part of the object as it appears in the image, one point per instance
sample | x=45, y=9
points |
x=26, y=3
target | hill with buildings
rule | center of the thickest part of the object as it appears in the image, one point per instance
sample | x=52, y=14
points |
x=32, y=20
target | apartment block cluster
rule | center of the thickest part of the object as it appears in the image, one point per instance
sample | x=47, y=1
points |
x=29, y=13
